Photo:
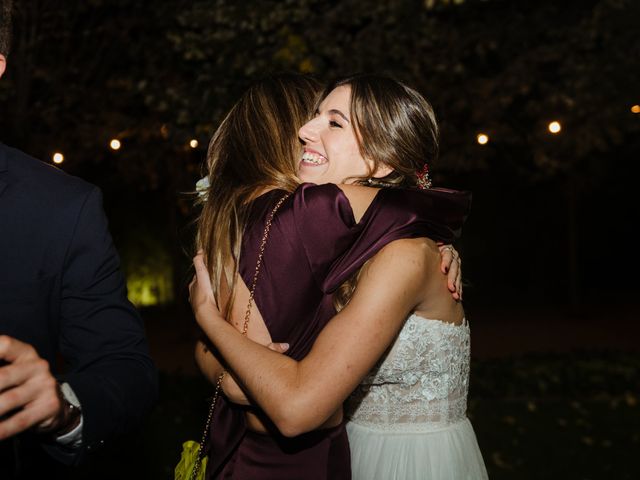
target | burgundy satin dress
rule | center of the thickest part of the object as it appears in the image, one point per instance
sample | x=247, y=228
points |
x=315, y=245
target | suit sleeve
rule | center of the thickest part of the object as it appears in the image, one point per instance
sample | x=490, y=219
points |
x=101, y=334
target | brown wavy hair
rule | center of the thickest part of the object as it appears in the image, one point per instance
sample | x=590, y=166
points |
x=254, y=148
x=395, y=127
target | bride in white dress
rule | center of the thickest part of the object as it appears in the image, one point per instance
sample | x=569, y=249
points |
x=407, y=412
x=407, y=419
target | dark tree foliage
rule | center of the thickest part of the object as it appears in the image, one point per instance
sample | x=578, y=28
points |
x=156, y=74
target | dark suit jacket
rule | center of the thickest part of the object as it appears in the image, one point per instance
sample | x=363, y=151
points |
x=61, y=291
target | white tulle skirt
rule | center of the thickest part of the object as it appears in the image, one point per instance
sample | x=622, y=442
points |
x=449, y=453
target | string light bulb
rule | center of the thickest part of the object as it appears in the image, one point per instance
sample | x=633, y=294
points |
x=58, y=158
x=115, y=144
x=482, y=138
x=635, y=109
x=554, y=127
x=193, y=143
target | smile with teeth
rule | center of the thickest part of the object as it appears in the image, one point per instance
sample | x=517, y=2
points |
x=313, y=158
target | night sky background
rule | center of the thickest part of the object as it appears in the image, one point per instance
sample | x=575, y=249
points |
x=549, y=259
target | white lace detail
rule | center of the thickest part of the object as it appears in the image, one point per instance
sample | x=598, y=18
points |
x=422, y=382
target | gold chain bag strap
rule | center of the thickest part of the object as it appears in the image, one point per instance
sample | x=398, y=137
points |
x=192, y=465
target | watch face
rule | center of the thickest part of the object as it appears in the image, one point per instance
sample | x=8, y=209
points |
x=69, y=395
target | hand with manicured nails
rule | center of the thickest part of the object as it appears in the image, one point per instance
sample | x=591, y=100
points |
x=451, y=265
x=201, y=297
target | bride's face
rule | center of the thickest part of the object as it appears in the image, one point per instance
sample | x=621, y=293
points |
x=331, y=152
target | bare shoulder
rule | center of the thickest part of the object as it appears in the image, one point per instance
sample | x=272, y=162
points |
x=359, y=197
x=396, y=276
x=416, y=250
x=413, y=258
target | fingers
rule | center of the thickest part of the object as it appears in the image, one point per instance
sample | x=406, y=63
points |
x=39, y=412
x=451, y=265
x=278, y=347
x=27, y=388
x=459, y=280
x=447, y=256
x=202, y=274
x=16, y=423
x=452, y=276
x=201, y=282
x=13, y=350
x=455, y=284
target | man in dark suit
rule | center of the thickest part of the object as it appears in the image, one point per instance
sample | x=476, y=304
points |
x=62, y=296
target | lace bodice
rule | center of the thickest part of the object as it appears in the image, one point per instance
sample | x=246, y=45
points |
x=421, y=383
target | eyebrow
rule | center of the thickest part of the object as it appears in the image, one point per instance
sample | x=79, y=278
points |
x=338, y=112
x=334, y=112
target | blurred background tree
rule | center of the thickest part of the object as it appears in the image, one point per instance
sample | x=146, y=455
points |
x=552, y=217
x=159, y=75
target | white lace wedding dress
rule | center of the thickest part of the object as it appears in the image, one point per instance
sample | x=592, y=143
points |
x=407, y=420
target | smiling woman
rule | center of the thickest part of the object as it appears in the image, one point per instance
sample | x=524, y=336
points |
x=398, y=123
x=331, y=151
x=320, y=237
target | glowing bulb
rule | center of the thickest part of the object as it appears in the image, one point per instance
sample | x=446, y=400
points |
x=635, y=109
x=482, y=139
x=58, y=158
x=115, y=144
x=555, y=127
x=193, y=143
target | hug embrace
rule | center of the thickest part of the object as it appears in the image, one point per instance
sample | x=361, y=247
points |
x=327, y=291
x=336, y=339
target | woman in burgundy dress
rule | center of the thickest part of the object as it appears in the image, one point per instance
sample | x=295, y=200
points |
x=320, y=237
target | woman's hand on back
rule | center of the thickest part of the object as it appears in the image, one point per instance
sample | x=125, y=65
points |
x=451, y=266
x=201, y=298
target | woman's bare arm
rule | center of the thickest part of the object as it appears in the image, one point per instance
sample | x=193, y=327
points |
x=360, y=198
x=211, y=368
x=300, y=396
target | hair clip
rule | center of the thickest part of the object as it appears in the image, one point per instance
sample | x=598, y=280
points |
x=202, y=187
x=424, y=180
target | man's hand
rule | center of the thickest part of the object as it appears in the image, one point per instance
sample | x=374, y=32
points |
x=29, y=395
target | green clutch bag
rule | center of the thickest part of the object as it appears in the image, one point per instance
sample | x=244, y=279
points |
x=188, y=461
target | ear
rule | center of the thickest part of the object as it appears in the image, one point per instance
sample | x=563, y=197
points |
x=3, y=64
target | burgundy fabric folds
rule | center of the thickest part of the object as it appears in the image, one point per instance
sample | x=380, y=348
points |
x=315, y=245
x=317, y=455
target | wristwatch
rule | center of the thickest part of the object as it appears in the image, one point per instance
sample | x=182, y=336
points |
x=69, y=415
x=71, y=410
